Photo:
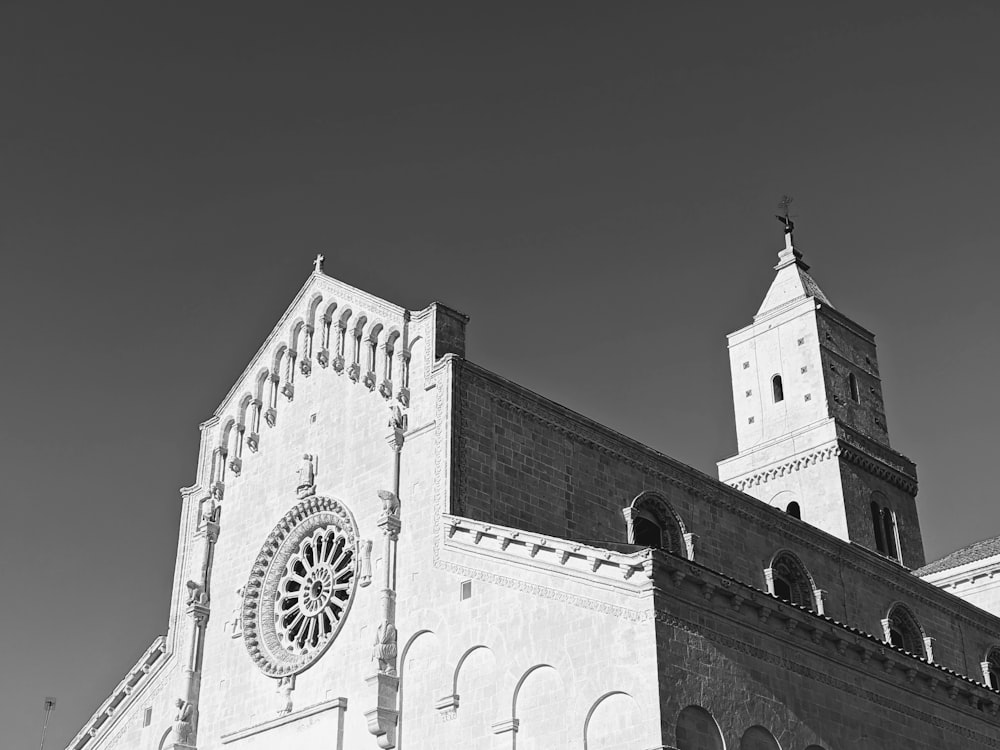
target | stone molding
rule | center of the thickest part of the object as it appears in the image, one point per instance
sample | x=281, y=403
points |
x=850, y=453
x=584, y=561
x=788, y=467
x=302, y=713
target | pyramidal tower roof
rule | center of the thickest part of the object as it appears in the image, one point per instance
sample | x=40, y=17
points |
x=792, y=282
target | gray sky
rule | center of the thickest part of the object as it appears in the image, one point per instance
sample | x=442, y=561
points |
x=594, y=184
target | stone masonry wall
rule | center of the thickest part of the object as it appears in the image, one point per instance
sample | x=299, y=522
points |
x=524, y=461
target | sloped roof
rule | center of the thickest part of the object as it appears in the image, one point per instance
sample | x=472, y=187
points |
x=792, y=282
x=977, y=551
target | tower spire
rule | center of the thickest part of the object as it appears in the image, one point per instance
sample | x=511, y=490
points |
x=788, y=254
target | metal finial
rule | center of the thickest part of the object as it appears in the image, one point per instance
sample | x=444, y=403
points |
x=784, y=218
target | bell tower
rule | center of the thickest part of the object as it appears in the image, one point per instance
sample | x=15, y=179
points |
x=811, y=430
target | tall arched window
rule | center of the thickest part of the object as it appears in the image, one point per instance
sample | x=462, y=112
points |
x=777, y=390
x=903, y=631
x=889, y=526
x=855, y=392
x=991, y=669
x=788, y=579
x=877, y=527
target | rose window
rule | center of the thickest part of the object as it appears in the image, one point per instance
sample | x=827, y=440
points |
x=301, y=587
x=314, y=589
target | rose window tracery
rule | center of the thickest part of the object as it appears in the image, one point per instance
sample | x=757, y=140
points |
x=314, y=590
x=301, y=587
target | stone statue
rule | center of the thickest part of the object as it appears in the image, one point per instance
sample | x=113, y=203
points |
x=209, y=511
x=365, y=576
x=307, y=476
x=285, y=687
x=384, y=651
x=397, y=418
x=390, y=503
x=183, y=722
x=196, y=593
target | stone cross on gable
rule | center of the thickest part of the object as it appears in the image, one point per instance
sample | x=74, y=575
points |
x=318, y=263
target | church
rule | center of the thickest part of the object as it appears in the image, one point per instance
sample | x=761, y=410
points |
x=388, y=546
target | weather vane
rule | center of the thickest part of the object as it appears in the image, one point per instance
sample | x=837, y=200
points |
x=785, y=219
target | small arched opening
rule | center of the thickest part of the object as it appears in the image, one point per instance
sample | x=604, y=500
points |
x=651, y=522
x=777, y=389
x=793, y=510
x=788, y=579
x=903, y=631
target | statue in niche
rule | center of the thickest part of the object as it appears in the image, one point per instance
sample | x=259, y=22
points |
x=384, y=652
x=307, y=476
x=183, y=725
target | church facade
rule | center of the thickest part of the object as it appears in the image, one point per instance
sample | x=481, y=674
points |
x=388, y=546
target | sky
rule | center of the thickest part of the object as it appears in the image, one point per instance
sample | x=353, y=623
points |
x=594, y=184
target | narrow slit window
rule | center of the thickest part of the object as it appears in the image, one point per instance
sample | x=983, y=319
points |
x=855, y=392
x=878, y=527
x=777, y=390
x=889, y=522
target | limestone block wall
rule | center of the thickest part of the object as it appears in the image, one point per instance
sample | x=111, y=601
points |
x=733, y=677
x=523, y=461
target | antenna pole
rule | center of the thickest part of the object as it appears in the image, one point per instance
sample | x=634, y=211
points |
x=50, y=703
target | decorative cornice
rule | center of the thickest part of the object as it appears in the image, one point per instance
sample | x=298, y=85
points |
x=788, y=467
x=841, y=449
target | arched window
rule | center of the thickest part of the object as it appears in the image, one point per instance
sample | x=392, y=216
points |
x=855, y=393
x=793, y=510
x=903, y=631
x=758, y=738
x=777, y=390
x=788, y=579
x=991, y=669
x=651, y=522
x=697, y=729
